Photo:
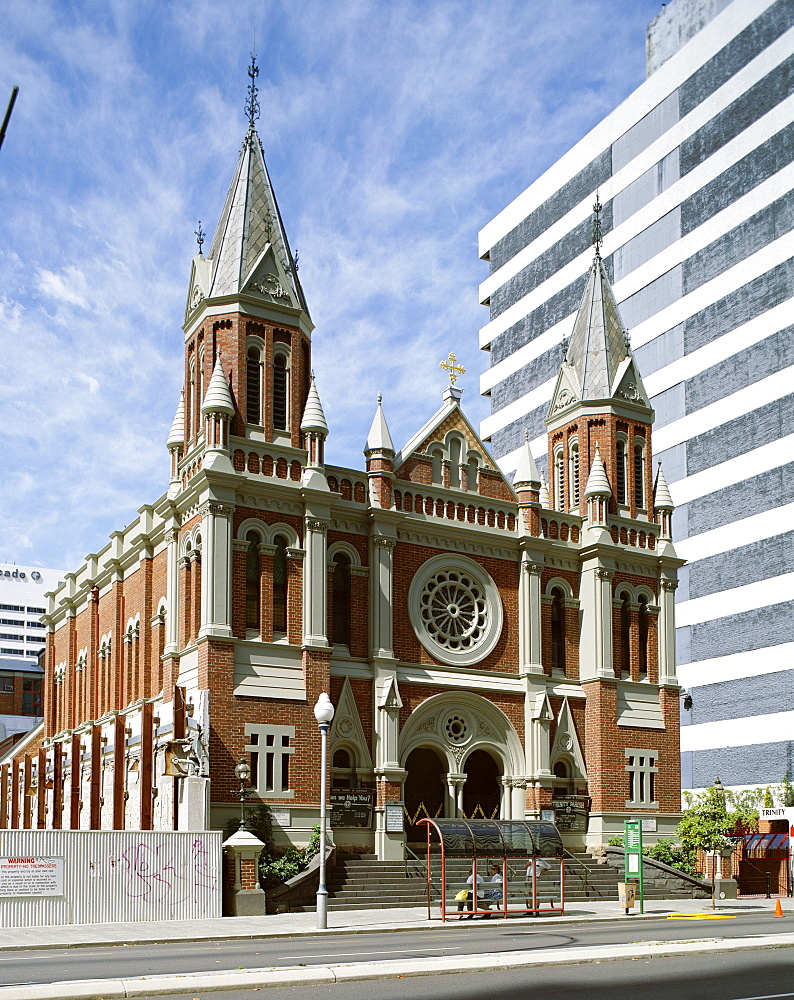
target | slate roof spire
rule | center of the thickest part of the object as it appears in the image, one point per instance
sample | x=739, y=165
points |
x=251, y=221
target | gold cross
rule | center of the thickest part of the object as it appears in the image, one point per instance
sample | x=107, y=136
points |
x=452, y=367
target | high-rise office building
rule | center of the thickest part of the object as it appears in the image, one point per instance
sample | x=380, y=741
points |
x=695, y=174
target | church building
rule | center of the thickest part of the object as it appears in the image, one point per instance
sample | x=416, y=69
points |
x=492, y=649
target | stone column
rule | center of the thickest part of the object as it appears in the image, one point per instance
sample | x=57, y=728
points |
x=381, y=596
x=529, y=620
x=666, y=633
x=315, y=583
x=216, y=564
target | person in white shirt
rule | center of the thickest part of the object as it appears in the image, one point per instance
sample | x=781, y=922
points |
x=468, y=900
x=541, y=865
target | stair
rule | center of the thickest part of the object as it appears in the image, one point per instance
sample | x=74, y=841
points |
x=364, y=883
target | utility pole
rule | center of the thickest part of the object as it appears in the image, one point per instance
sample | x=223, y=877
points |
x=9, y=109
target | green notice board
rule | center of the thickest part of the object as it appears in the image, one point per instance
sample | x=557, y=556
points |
x=632, y=859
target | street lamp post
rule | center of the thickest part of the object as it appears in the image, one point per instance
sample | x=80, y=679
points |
x=719, y=788
x=324, y=713
x=243, y=772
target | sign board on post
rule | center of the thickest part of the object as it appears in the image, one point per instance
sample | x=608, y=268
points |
x=632, y=858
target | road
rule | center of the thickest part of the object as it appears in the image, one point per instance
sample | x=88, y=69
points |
x=444, y=941
x=740, y=976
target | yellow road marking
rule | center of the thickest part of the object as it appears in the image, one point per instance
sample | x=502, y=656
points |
x=701, y=916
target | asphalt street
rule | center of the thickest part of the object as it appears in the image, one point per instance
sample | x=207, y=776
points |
x=446, y=941
x=740, y=976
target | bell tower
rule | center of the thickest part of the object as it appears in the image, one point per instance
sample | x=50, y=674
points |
x=600, y=460
x=245, y=303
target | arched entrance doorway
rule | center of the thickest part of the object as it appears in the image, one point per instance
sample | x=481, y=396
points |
x=423, y=790
x=482, y=793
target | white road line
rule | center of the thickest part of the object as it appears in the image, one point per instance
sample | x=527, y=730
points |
x=354, y=954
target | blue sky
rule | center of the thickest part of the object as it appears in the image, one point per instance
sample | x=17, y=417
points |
x=392, y=130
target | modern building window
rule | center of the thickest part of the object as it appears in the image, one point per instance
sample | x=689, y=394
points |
x=280, y=392
x=621, y=472
x=557, y=630
x=31, y=696
x=33, y=611
x=641, y=770
x=270, y=749
x=340, y=611
x=253, y=386
x=252, y=582
x=639, y=476
x=15, y=607
x=643, y=636
x=280, y=585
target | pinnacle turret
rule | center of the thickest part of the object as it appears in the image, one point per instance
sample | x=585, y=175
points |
x=313, y=416
x=176, y=436
x=379, y=438
x=597, y=481
x=218, y=398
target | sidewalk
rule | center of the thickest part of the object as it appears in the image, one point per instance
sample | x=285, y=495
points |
x=344, y=921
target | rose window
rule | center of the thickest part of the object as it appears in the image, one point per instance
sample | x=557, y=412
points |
x=456, y=728
x=455, y=609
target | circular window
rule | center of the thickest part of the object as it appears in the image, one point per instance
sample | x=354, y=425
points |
x=456, y=728
x=455, y=610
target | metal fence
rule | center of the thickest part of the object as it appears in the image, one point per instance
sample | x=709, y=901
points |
x=97, y=876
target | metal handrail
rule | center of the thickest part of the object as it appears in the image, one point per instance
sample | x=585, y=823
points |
x=780, y=883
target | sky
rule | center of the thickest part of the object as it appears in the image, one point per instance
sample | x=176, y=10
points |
x=393, y=131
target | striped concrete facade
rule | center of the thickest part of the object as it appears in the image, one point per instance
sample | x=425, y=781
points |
x=695, y=171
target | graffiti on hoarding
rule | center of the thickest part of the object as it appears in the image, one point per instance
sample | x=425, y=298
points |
x=157, y=874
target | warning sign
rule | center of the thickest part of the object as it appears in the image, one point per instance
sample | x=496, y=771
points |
x=31, y=877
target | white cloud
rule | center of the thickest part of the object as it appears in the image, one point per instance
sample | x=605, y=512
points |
x=392, y=133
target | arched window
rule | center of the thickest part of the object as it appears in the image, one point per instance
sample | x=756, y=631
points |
x=454, y=463
x=437, y=459
x=253, y=387
x=343, y=769
x=625, y=635
x=280, y=585
x=573, y=464
x=252, y=582
x=643, y=636
x=559, y=479
x=340, y=620
x=191, y=397
x=639, y=476
x=201, y=379
x=557, y=630
x=280, y=393
x=474, y=466
x=621, y=472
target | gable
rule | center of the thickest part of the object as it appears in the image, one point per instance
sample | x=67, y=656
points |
x=268, y=280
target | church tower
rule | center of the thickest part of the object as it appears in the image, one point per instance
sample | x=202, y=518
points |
x=600, y=467
x=246, y=303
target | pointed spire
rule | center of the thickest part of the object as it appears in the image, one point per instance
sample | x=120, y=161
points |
x=176, y=436
x=543, y=497
x=598, y=342
x=218, y=398
x=313, y=416
x=597, y=482
x=527, y=471
x=251, y=221
x=379, y=438
x=661, y=492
